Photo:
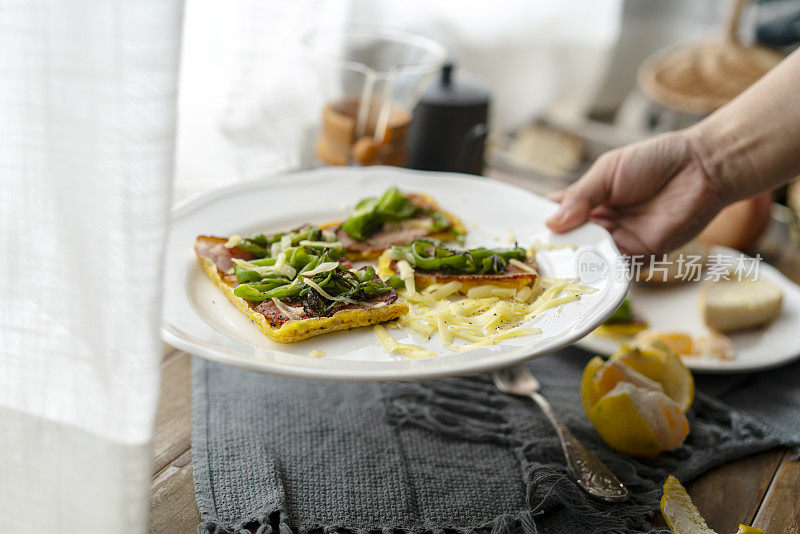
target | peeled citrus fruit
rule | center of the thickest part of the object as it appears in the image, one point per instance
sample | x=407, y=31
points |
x=662, y=365
x=680, y=343
x=683, y=517
x=636, y=400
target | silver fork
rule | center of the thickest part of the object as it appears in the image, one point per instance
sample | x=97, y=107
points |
x=590, y=473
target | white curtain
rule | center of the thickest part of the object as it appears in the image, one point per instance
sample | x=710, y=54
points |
x=87, y=120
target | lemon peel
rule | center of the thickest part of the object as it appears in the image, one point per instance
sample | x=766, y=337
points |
x=683, y=517
x=680, y=513
x=622, y=427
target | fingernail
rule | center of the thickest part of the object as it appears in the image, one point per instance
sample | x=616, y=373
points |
x=559, y=218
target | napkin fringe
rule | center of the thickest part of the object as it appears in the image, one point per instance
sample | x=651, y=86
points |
x=593, y=515
x=466, y=408
x=550, y=488
x=520, y=523
x=264, y=524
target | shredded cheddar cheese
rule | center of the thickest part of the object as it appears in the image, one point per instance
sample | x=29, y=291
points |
x=524, y=266
x=280, y=267
x=311, y=283
x=485, y=291
x=233, y=241
x=488, y=314
x=322, y=268
x=407, y=276
x=444, y=291
x=292, y=312
x=409, y=350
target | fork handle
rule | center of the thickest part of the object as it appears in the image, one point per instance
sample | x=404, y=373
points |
x=590, y=473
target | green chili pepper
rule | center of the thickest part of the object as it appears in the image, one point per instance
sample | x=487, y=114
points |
x=375, y=288
x=440, y=220
x=288, y=290
x=248, y=292
x=326, y=280
x=253, y=291
x=428, y=255
x=244, y=276
x=623, y=314
x=361, y=226
x=395, y=281
x=298, y=257
x=260, y=244
x=370, y=214
x=252, y=247
x=395, y=206
x=365, y=275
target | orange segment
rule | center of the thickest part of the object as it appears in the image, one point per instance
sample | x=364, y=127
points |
x=678, y=342
x=663, y=366
x=650, y=364
x=614, y=372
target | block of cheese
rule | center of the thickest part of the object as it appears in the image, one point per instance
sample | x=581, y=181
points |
x=730, y=305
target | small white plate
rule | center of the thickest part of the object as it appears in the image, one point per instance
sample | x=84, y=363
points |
x=676, y=307
x=200, y=320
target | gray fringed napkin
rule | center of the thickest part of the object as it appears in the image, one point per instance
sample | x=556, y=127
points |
x=274, y=454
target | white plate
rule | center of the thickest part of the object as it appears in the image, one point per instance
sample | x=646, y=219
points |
x=199, y=319
x=675, y=307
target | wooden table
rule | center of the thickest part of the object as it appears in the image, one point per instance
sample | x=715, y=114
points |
x=763, y=490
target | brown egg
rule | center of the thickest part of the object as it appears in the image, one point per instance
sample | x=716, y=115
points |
x=365, y=150
x=739, y=225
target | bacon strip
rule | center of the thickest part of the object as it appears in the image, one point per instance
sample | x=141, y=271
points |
x=382, y=240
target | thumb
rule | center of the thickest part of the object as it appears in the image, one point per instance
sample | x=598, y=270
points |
x=579, y=199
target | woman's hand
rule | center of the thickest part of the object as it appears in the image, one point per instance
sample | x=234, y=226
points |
x=652, y=196
x=655, y=195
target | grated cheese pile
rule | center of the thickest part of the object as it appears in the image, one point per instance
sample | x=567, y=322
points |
x=486, y=315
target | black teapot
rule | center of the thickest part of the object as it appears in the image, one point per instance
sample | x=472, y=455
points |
x=449, y=128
